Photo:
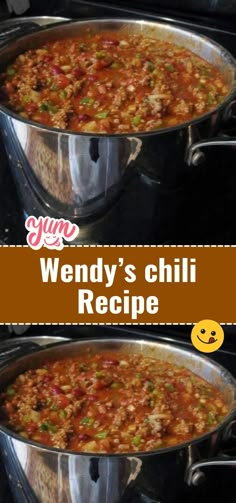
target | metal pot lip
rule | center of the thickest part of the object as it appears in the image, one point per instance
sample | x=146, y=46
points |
x=36, y=19
x=131, y=135
x=228, y=418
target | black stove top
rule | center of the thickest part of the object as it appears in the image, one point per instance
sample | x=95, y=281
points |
x=200, y=211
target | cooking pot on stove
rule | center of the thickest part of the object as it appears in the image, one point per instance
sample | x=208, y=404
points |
x=78, y=174
x=48, y=474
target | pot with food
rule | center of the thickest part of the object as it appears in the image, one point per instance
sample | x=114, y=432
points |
x=90, y=420
x=84, y=103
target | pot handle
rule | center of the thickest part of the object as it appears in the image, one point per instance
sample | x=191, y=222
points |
x=10, y=32
x=13, y=351
x=195, y=156
x=194, y=475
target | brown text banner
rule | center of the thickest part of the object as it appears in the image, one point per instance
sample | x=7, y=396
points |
x=118, y=285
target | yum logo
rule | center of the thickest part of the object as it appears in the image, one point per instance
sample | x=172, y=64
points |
x=49, y=232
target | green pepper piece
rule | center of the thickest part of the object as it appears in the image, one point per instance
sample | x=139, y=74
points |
x=136, y=120
x=151, y=66
x=87, y=101
x=102, y=434
x=87, y=420
x=136, y=440
x=209, y=99
x=63, y=94
x=100, y=55
x=52, y=428
x=82, y=47
x=99, y=375
x=169, y=387
x=151, y=387
x=11, y=392
x=115, y=385
x=54, y=87
x=63, y=414
x=115, y=65
x=102, y=115
x=44, y=427
x=54, y=407
x=210, y=419
x=43, y=107
x=170, y=67
x=10, y=71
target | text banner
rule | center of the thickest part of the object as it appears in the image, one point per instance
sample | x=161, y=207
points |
x=117, y=285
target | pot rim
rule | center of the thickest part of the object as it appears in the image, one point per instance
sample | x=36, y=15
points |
x=67, y=132
x=228, y=418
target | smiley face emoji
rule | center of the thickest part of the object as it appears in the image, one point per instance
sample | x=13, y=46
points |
x=207, y=336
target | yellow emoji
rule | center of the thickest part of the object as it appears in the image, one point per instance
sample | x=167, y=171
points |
x=207, y=336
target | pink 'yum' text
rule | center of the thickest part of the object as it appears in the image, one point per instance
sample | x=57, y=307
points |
x=49, y=232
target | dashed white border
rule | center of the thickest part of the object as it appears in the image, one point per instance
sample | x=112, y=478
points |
x=126, y=246
x=122, y=323
x=110, y=324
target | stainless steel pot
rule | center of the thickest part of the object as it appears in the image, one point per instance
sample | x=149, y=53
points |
x=50, y=474
x=77, y=174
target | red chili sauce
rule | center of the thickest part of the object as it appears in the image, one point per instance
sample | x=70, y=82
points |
x=111, y=83
x=112, y=403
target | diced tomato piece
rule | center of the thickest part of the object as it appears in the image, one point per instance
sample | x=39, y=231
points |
x=103, y=63
x=9, y=408
x=63, y=401
x=10, y=88
x=31, y=427
x=31, y=107
x=102, y=383
x=63, y=81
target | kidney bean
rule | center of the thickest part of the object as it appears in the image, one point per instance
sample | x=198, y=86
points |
x=78, y=392
x=83, y=436
x=110, y=42
x=92, y=398
x=92, y=76
x=47, y=58
x=56, y=390
x=78, y=72
x=47, y=378
x=56, y=70
x=109, y=361
x=84, y=117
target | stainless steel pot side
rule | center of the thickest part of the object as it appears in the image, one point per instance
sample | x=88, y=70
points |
x=66, y=477
x=76, y=174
